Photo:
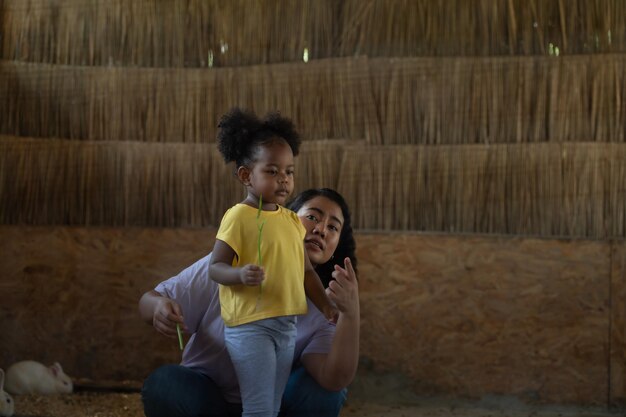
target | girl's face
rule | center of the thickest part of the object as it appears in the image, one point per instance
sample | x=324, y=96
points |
x=273, y=172
x=323, y=220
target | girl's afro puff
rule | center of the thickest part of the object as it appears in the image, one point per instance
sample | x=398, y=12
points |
x=241, y=131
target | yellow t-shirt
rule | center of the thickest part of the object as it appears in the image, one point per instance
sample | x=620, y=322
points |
x=282, y=252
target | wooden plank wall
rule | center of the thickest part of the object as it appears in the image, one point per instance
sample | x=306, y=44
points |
x=618, y=324
x=541, y=319
x=70, y=295
x=475, y=315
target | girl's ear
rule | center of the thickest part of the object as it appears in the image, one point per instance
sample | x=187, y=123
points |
x=243, y=173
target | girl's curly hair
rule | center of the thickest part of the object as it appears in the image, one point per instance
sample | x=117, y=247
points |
x=241, y=132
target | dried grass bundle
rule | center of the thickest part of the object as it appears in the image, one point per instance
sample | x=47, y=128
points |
x=198, y=33
x=400, y=101
x=548, y=189
x=380, y=28
x=500, y=100
x=66, y=182
x=326, y=100
x=319, y=164
x=189, y=33
x=113, y=183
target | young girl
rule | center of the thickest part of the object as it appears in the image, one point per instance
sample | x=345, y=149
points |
x=259, y=302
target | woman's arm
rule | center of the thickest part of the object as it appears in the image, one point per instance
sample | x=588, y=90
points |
x=161, y=312
x=314, y=289
x=336, y=369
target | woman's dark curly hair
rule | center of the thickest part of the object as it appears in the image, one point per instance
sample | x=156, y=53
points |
x=346, y=246
x=242, y=132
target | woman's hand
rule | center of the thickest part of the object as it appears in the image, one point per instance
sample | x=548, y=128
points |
x=344, y=289
x=167, y=314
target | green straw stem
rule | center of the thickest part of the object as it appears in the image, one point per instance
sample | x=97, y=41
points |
x=180, y=336
x=258, y=213
x=260, y=225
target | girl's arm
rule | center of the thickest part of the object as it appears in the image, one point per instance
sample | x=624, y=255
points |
x=314, y=289
x=222, y=271
x=336, y=369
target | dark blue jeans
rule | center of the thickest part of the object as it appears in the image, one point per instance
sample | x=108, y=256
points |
x=176, y=391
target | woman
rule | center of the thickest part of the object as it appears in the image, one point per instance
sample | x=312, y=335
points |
x=325, y=358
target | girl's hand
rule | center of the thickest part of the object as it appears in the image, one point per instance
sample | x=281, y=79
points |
x=344, y=289
x=166, y=315
x=251, y=275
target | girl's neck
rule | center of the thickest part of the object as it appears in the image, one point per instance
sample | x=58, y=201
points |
x=253, y=201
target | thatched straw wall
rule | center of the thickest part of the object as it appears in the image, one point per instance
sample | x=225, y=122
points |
x=326, y=100
x=481, y=27
x=547, y=189
x=500, y=100
x=187, y=33
x=529, y=189
x=60, y=182
x=400, y=101
x=193, y=33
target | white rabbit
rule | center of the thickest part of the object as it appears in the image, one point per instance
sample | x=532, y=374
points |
x=6, y=402
x=30, y=377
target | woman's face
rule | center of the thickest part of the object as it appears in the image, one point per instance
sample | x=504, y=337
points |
x=322, y=218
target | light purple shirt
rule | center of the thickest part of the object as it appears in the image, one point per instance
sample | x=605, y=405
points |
x=198, y=297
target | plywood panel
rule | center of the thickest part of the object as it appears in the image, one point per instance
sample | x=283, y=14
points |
x=457, y=315
x=70, y=295
x=618, y=324
x=477, y=315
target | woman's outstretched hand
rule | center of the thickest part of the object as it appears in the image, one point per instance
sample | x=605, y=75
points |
x=343, y=290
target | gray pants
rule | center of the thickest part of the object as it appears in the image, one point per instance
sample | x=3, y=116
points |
x=262, y=353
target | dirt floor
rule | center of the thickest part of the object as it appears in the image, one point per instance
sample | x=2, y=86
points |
x=90, y=404
x=370, y=396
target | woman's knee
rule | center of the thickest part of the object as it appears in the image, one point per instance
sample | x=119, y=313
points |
x=177, y=391
x=156, y=390
x=159, y=382
x=303, y=396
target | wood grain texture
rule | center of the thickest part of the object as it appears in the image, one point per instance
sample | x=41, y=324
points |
x=73, y=294
x=476, y=315
x=459, y=315
x=618, y=324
